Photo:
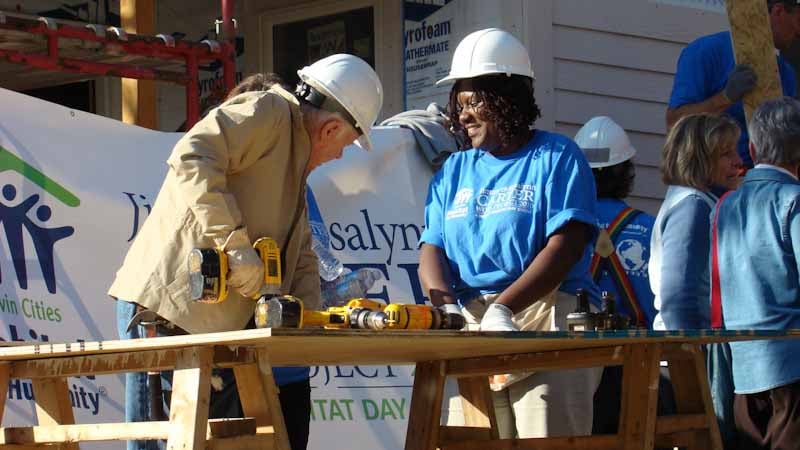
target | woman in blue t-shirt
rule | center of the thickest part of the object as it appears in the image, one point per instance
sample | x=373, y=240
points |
x=508, y=221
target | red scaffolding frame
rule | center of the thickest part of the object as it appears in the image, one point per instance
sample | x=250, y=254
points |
x=110, y=51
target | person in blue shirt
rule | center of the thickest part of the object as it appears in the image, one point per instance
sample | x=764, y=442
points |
x=619, y=265
x=707, y=79
x=609, y=152
x=699, y=163
x=506, y=221
x=758, y=248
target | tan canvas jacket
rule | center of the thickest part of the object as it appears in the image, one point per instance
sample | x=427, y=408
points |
x=241, y=166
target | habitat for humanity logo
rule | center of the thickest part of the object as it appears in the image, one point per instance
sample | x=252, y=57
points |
x=15, y=219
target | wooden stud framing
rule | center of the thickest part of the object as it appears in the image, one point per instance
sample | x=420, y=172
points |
x=753, y=45
x=139, y=96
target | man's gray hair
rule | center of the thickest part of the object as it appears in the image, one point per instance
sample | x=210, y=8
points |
x=775, y=132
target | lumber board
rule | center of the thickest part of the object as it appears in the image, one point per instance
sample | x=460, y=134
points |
x=83, y=432
x=477, y=404
x=681, y=422
x=255, y=442
x=450, y=434
x=5, y=375
x=141, y=361
x=252, y=394
x=640, y=375
x=270, y=390
x=426, y=406
x=599, y=442
x=191, y=390
x=226, y=428
x=53, y=406
x=753, y=45
x=386, y=347
x=566, y=359
x=139, y=96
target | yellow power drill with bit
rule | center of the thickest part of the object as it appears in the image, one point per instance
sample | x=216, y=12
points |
x=208, y=272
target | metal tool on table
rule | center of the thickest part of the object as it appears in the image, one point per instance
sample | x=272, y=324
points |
x=361, y=313
x=583, y=319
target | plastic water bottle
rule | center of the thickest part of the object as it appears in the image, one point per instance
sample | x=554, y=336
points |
x=349, y=286
x=330, y=267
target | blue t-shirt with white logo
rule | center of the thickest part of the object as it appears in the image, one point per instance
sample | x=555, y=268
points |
x=633, y=250
x=702, y=72
x=493, y=214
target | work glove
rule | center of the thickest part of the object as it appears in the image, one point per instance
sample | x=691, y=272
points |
x=498, y=318
x=741, y=80
x=452, y=308
x=245, y=268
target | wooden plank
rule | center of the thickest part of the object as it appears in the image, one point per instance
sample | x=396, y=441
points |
x=226, y=428
x=426, y=406
x=270, y=391
x=567, y=359
x=380, y=347
x=5, y=370
x=600, y=442
x=139, y=96
x=53, y=406
x=753, y=45
x=681, y=422
x=477, y=404
x=255, y=442
x=453, y=434
x=640, y=18
x=252, y=394
x=614, y=49
x=85, y=432
x=611, y=81
x=640, y=396
x=191, y=389
x=153, y=360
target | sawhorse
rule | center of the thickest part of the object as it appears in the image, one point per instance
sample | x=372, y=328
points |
x=693, y=427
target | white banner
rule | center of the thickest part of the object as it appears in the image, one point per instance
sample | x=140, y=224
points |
x=74, y=190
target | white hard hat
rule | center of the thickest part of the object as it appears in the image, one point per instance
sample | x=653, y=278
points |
x=486, y=52
x=604, y=142
x=353, y=84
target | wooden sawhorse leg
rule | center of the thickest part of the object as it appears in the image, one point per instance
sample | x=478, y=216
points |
x=259, y=396
x=191, y=391
x=426, y=406
x=695, y=424
x=640, y=373
x=53, y=406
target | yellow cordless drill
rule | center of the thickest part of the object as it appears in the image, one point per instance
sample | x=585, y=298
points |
x=359, y=313
x=208, y=272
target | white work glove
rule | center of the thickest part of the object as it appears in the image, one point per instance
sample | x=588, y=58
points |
x=452, y=308
x=245, y=268
x=498, y=318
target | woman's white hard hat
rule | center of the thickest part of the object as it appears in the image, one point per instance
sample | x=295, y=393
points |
x=604, y=142
x=486, y=52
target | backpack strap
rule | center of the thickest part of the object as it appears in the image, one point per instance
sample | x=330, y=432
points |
x=614, y=266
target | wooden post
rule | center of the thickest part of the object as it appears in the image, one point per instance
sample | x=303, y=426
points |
x=753, y=45
x=191, y=392
x=52, y=404
x=426, y=406
x=639, y=396
x=139, y=96
x=477, y=404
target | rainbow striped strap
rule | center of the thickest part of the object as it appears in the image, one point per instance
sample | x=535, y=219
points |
x=614, y=266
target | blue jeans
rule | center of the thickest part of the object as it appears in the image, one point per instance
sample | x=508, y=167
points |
x=136, y=393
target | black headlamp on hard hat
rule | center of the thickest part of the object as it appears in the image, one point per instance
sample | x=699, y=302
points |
x=306, y=93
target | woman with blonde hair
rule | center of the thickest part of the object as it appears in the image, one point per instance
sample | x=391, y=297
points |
x=699, y=163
